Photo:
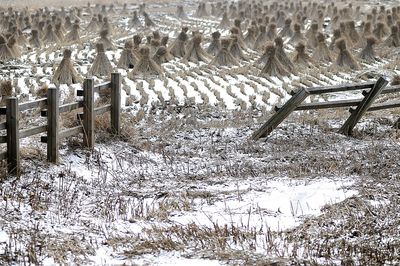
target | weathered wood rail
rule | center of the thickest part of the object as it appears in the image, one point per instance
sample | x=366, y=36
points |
x=370, y=91
x=50, y=107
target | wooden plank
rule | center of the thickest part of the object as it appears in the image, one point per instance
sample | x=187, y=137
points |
x=71, y=132
x=65, y=108
x=33, y=104
x=103, y=109
x=363, y=106
x=116, y=103
x=12, y=118
x=103, y=86
x=88, y=113
x=342, y=87
x=281, y=114
x=52, y=122
x=384, y=106
x=3, y=155
x=338, y=88
x=391, y=89
x=331, y=104
x=3, y=126
x=32, y=131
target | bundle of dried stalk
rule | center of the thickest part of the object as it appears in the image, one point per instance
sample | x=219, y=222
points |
x=393, y=40
x=147, y=20
x=35, y=41
x=178, y=47
x=146, y=65
x=195, y=53
x=225, y=23
x=301, y=58
x=297, y=35
x=282, y=56
x=344, y=58
x=224, y=57
x=15, y=50
x=162, y=56
x=65, y=73
x=215, y=44
x=73, y=36
x=272, y=65
x=108, y=45
x=235, y=49
x=101, y=66
x=135, y=21
x=321, y=52
x=262, y=38
x=368, y=52
x=127, y=59
x=5, y=51
x=287, y=29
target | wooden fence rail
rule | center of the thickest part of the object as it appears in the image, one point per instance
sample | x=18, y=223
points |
x=51, y=108
x=370, y=91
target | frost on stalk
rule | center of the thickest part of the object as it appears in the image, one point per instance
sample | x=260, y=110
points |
x=195, y=52
x=272, y=65
x=127, y=59
x=344, y=58
x=146, y=65
x=65, y=73
x=224, y=57
x=215, y=44
x=321, y=52
x=368, y=52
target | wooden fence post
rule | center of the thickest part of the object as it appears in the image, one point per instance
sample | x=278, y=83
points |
x=88, y=113
x=116, y=103
x=12, y=118
x=281, y=114
x=362, y=107
x=52, y=124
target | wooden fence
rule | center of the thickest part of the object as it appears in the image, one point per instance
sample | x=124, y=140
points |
x=371, y=90
x=51, y=108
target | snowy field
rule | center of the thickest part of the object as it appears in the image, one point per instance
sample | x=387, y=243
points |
x=184, y=185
